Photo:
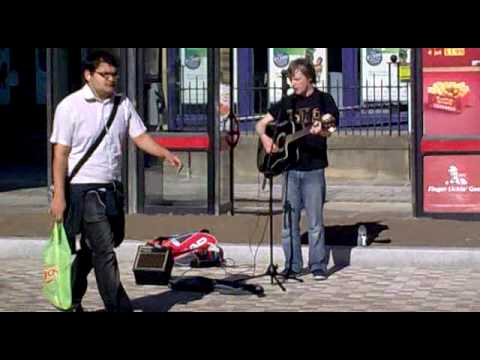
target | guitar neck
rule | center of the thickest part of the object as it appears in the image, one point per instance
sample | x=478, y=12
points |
x=301, y=133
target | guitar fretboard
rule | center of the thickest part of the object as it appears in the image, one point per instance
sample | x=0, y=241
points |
x=301, y=133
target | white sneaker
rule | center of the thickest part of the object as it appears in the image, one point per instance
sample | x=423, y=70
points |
x=319, y=276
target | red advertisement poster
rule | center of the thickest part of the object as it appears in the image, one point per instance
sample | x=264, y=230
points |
x=451, y=91
x=451, y=184
x=451, y=103
x=451, y=57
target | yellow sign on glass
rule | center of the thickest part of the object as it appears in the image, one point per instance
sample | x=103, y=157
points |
x=405, y=72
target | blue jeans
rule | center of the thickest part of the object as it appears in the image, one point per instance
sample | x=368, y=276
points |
x=304, y=189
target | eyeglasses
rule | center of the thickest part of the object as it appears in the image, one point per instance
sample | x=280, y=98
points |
x=105, y=75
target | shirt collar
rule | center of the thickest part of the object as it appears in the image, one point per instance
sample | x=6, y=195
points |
x=90, y=96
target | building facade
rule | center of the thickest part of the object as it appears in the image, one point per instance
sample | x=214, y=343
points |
x=188, y=98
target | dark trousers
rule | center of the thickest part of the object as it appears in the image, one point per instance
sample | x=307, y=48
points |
x=100, y=232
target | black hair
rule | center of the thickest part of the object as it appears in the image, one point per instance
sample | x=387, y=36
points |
x=305, y=66
x=93, y=60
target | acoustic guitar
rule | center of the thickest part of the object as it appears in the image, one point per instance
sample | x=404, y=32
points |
x=285, y=136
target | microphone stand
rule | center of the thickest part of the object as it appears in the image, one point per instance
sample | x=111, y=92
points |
x=272, y=269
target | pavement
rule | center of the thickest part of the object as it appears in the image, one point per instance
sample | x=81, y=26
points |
x=348, y=289
x=409, y=264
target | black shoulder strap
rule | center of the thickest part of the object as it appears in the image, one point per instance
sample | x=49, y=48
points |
x=323, y=103
x=95, y=145
x=293, y=106
x=287, y=103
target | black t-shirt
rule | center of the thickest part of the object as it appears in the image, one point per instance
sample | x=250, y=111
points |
x=313, y=148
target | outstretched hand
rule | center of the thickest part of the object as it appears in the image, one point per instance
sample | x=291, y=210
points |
x=174, y=161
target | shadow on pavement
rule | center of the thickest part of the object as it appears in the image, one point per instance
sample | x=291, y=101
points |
x=165, y=301
x=341, y=239
x=185, y=289
x=346, y=235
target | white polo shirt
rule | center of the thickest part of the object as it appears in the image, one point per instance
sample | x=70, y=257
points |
x=79, y=120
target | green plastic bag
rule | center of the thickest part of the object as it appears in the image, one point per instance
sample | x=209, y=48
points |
x=57, y=262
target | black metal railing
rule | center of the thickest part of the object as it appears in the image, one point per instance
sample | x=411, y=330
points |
x=375, y=109
x=372, y=108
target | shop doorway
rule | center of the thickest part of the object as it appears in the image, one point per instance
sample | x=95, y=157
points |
x=23, y=149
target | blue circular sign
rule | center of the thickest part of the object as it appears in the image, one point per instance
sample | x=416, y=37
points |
x=374, y=56
x=281, y=59
x=193, y=62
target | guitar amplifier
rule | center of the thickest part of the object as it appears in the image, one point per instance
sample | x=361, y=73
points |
x=153, y=266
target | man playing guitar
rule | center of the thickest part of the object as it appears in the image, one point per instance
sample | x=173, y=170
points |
x=304, y=181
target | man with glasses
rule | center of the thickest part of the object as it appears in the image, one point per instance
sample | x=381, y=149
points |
x=95, y=193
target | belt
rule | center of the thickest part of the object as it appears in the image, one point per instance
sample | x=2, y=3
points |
x=86, y=187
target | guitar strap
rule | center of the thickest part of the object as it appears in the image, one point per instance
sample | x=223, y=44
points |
x=294, y=107
x=322, y=103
